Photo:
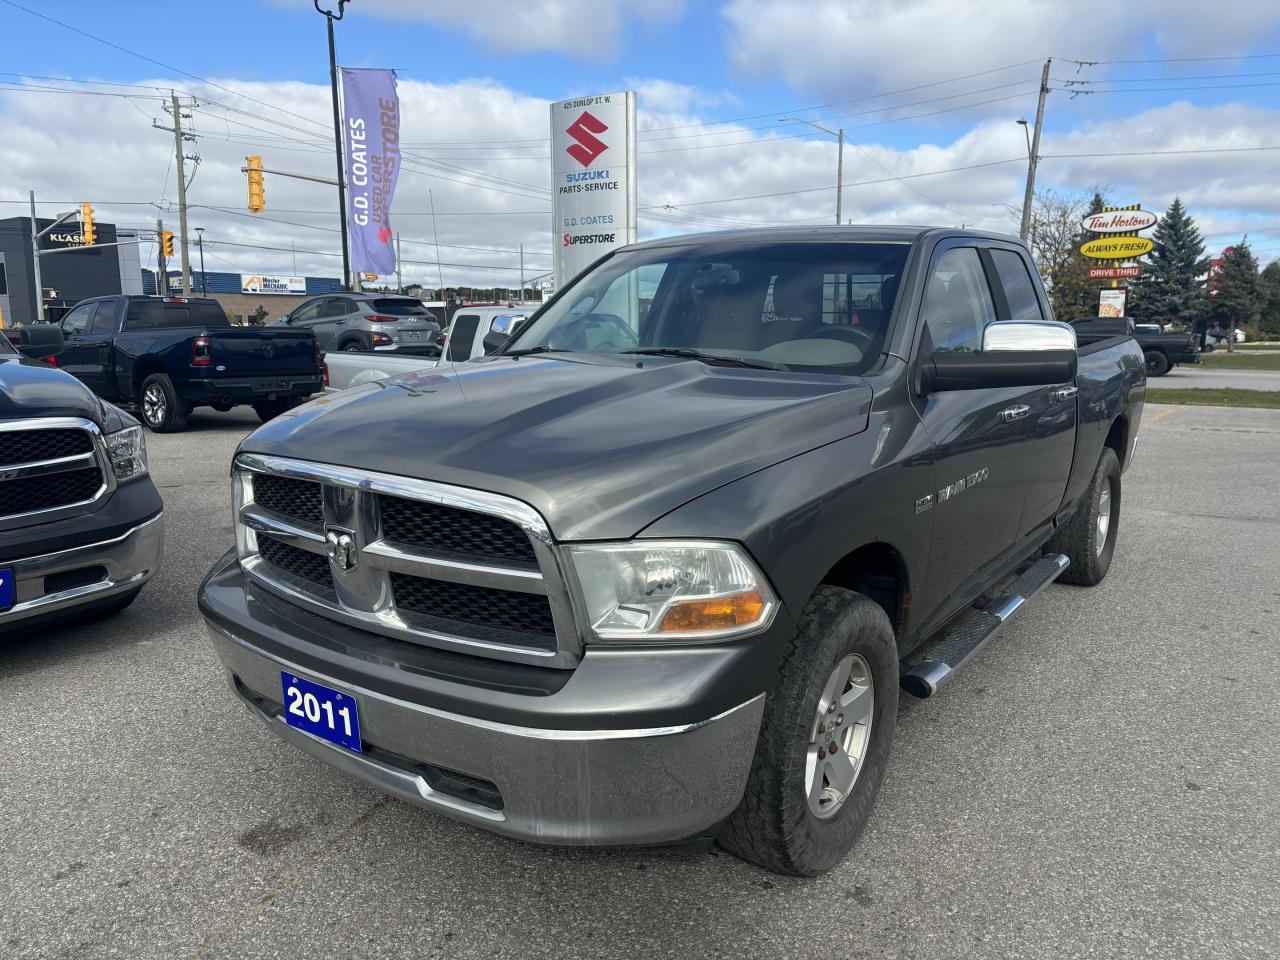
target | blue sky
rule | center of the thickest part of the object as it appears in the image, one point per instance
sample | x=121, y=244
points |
x=480, y=71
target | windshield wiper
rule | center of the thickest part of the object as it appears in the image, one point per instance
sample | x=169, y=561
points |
x=540, y=348
x=690, y=354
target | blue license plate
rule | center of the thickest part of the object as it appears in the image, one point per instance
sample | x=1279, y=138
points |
x=321, y=711
x=7, y=592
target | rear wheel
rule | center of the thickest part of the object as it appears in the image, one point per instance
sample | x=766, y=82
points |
x=1157, y=363
x=351, y=346
x=1089, y=538
x=824, y=740
x=162, y=411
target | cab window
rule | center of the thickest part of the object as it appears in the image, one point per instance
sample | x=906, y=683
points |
x=76, y=322
x=957, y=301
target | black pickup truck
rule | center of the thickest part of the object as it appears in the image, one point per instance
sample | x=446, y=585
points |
x=81, y=524
x=1161, y=352
x=659, y=568
x=167, y=355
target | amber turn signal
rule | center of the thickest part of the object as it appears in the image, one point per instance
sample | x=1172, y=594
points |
x=717, y=613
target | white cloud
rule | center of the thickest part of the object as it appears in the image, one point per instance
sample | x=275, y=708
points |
x=582, y=29
x=666, y=96
x=856, y=47
x=103, y=149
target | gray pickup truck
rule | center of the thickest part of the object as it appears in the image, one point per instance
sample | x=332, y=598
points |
x=659, y=569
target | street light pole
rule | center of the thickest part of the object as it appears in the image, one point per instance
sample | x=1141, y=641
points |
x=338, y=139
x=839, y=135
x=204, y=283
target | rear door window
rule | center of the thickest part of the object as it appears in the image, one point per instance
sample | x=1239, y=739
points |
x=464, y=333
x=104, y=318
x=166, y=315
x=1019, y=288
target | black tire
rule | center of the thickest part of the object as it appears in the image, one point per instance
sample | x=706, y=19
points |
x=268, y=410
x=351, y=346
x=1157, y=363
x=774, y=826
x=162, y=411
x=222, y=407
x=1080, y=538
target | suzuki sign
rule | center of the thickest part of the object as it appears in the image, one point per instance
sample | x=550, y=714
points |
x=593, y=184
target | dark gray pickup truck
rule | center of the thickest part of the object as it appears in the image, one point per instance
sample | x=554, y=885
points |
x=659, y=568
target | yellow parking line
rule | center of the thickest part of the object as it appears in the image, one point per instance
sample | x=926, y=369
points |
x=1162, y=413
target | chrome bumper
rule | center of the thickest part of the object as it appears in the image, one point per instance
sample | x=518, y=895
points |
x=128, y=561
x=574, y=787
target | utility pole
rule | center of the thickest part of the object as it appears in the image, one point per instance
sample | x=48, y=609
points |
x=839, y=135
x=180, y=159
x=399, y=280
x=338, y=140
x=162, y=270
x=522, y=274
x=35, y=259
x=1034, y=159
x=435, y=236
x=204, y=280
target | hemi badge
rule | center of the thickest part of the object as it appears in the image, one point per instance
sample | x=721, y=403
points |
x=924, y=503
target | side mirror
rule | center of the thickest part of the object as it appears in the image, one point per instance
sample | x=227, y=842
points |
x=493, y=342
x=40, y=340
x=1014, y=354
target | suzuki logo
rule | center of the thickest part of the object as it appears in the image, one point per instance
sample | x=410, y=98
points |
x=340, y=545
x=589, y=146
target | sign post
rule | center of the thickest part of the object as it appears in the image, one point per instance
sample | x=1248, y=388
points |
x=593, y=179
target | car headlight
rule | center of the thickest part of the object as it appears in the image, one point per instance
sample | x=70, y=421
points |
x=127, y=451
x=670, y=591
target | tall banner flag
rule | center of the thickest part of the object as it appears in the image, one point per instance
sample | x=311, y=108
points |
x=371, y=147
x=593, y=179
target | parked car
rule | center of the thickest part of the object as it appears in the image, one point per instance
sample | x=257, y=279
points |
x=1161, y=352
x=376, y=322
x=168, y=355
x=474, y=331
x=81, y=523
x=657, y=569
x=1220, y=335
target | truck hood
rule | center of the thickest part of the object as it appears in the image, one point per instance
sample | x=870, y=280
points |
x=601, y=447
x=30, y=388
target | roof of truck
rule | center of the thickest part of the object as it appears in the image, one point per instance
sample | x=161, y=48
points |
x=824, y=234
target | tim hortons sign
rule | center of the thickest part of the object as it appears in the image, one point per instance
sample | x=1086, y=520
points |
x=1119, y=221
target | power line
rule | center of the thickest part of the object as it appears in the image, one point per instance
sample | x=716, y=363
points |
x=1248, y=56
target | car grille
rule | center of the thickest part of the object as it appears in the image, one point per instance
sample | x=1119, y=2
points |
x=303, y=564
x=46, y=468
x=461, y=534
x=420, y=561
x=290, y=497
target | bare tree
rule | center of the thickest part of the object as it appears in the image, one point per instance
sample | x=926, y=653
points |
x=1055, y=237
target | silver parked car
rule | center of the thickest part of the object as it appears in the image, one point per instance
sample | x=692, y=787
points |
x=376, y=322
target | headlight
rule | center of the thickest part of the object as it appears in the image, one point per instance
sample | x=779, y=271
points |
x=241, y=495
x=671, y=590
x=127, y=451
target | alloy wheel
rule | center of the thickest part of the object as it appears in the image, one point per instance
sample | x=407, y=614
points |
x=1104, y=516
x=154, y=405
x=839, y=736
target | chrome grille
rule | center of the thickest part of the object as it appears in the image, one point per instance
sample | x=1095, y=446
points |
x=426, y=562
x=49, y=466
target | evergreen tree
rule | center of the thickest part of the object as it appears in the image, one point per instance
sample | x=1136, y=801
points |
x=1171, y=288
x=1236, y=296
x=1270, y=282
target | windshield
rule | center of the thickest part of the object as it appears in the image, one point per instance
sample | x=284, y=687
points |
x=5, y=345
x=803, y=306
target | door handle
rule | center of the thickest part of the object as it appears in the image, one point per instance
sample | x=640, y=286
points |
x=340, y=322
x=1064, y=393
x=1016, y=412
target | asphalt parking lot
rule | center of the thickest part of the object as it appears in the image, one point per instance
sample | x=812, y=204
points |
x=1102, y=781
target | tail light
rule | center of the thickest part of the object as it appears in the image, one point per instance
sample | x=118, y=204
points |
x=51, y=361
x=201, y=355
x=315, y=345
x=381, y=340
x=324, y=374
x=380, y=318
x=440, y=338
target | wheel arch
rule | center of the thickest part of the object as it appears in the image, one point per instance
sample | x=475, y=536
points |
x=879, y=571
x=1118, y=438
x=142, y=369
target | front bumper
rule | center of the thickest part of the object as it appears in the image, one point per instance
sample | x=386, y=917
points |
x=608, y=783
x=57, y=583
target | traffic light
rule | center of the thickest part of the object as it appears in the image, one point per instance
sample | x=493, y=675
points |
x=166, y=240
x=257, y=193
x=87, y=228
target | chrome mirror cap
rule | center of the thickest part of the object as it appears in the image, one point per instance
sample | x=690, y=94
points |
x=1034, y=335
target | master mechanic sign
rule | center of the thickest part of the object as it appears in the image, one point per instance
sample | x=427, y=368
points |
x=593, y=185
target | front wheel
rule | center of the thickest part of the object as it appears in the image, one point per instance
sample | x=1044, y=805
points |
x=1089, y=538
x=162, y=411
x=1157, y=363
x=824, y=740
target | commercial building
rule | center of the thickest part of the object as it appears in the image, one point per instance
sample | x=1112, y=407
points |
x=248, y=295
x=69, y=275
